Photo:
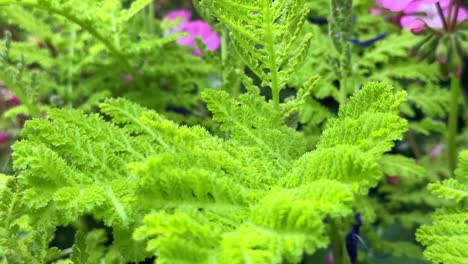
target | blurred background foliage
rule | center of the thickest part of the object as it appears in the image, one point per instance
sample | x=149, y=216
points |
x=71, y=68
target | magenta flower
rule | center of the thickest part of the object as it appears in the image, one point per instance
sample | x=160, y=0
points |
x=427, y=12
x=393, y=180
x=436, y=151
x=330, y=258
x=195, y=29
x=417, y=14
x=416, y=26
x=440, y=20
x=4, y=137
x=394, y=5
x=182, y=14
x=9, y=97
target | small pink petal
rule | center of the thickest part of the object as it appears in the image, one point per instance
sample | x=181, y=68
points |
x=195, y=29
x=441, y=59
x=197, y=52
x=180, y=13
x=395, y=5
x=10, y=97
x=330, y=258
x=462, y=14
x=436, y=151
x=375, y=11
x=417, y=26
x=459, y=71
x=15, y=100
x=393, y=180
x=202, y=30
x=427, y=11
x=4, y=137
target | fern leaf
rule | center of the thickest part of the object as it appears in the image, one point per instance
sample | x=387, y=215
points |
x=370, y=120
x=433, y=101
x=446, y=239
x=407, y=169
x=263, y=33
x=255, y=122
x=255, y=196
x=79, y=254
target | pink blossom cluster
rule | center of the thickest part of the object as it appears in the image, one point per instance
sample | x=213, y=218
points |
x=419, y=14
x=195, y=28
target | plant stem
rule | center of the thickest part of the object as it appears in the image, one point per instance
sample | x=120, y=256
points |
x=449, y=16
x=71, y=54
x=455, y=16
x=413, y=145
x=338, y=244
x=442, y=17
x=150, y=18
x=224, y=55
x=341, y=28
x=270, y=48
x=343, y=88
x=453, y=119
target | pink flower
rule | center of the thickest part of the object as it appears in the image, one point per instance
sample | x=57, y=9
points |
x=9, y=97
x=182, y=14
x=195, y=29
x=427, y=12
x=375, y=11
x=436, y=151
x=423, y=10
x=394, y=5
x=393, y=180
x=330, y=258
x=4, y=137
x=417, y=26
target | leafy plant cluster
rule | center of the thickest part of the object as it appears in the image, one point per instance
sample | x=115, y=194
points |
x=265, y=151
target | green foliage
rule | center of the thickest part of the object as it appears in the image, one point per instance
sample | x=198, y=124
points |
x=194, y=195
x=445, y=239
x=19, y=242
x=263, y=33
x=85, y=51
x=15, y=76
x=259, y=181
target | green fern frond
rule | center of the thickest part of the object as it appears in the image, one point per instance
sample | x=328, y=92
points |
x=314, y=64
x=365, y=128
x=403, y=167
x=433, y=101
x=94, y=28
x=446, y=239
x=253, y=121
x=394, y=46
x=192, y=192
x=19, y=241
x=14, y=76
x=263, y=33
x=370, y=120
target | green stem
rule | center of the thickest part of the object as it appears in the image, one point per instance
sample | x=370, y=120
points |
x=343, y=89
x=453, y=119
x=275, y=86
x=338, y=242
x=151, y=16
x=465, y=110
x=71, y=54
x=224, y=56
x=413, y=145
